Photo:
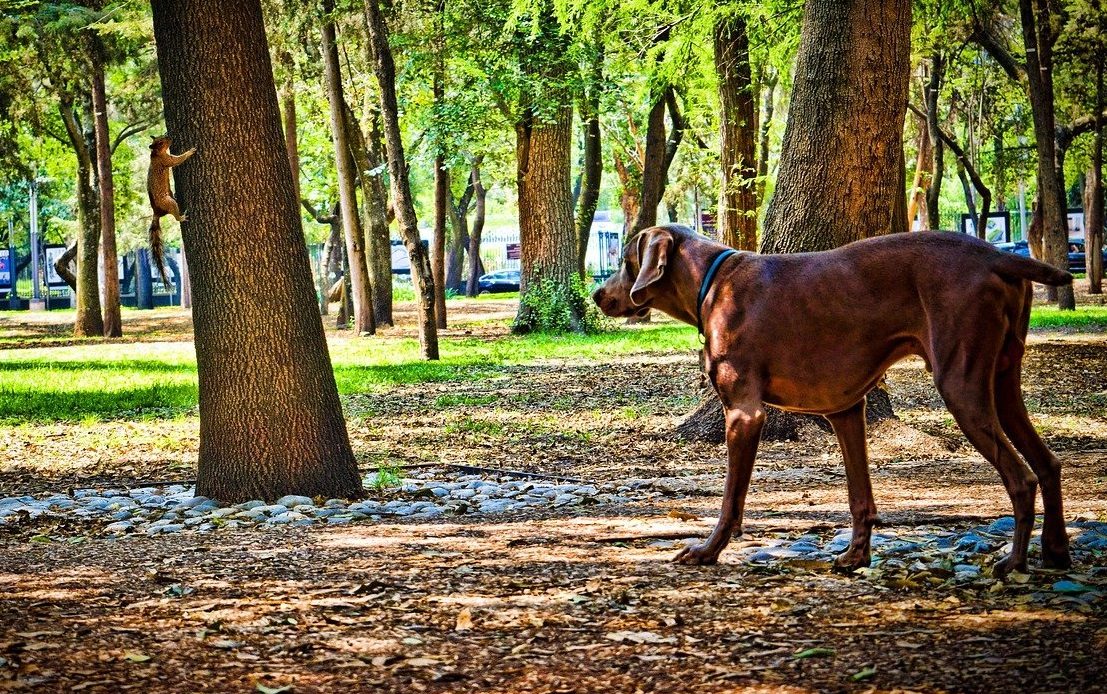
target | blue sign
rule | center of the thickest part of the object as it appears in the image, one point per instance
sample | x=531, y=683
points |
x=5, y=267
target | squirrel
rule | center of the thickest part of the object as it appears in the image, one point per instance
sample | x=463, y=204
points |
x=161, y=197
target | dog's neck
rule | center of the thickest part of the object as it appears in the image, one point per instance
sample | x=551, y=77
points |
x=693, y=259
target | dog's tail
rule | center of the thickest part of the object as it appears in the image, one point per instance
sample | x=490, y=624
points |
x=1017, y=267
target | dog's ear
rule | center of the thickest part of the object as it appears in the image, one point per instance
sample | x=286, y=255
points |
x=652, y=261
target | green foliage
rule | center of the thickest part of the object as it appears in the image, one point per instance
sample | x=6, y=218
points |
x=549, y=306
x=388, y=475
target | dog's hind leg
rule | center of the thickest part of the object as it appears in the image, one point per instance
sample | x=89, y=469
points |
x=965, y=380
x=743, y=433
x=1016, y=424
x=849, y=427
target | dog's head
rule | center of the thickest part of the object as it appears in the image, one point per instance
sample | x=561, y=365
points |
x=633, y=289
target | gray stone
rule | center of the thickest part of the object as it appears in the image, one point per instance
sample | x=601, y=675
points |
x=292, y=500
x=119, y=527
x=566, y=500
x=286, y=517
x=464, y=493
x=253, y=503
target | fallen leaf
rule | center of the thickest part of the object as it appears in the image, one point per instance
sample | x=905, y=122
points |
x=817, y=652
x=137, y=657
x=273, y=690
x=638, y=637
x=682, y=515
x=464, y=620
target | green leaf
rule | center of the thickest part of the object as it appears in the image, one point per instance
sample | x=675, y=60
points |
x=136, y=657
x=817, y=652
x=863, y=674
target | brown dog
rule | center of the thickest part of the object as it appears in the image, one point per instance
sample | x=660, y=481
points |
x=814, y=332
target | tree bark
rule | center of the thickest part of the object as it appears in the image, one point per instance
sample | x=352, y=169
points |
x=923, y=167
x=88, y=321
x=404, y=205
x=767, y=104
x=591, y=169
x=1093, y=246
x=441, y=173
x=841, y=162
x=360, y=288
x=368, y=156
x=109, y=258
x=737, y=217
x=270, y=419
x=546, y=233
x=476, y=267
x=937, y=146
x=1038, y=39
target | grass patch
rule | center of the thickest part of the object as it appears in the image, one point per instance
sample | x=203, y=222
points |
x=103, y=381
x=1084, y=317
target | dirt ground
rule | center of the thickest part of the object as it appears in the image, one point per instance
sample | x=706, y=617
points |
x=582, y=599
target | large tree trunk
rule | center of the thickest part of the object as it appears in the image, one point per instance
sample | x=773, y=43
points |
x=88, y=321
x=368, y=156
x=546, y=233
x=1093, y=194
x=360, y=289
x=476, y=267
x=404, y=204
x=841, y=168
x=109, y=260
x=270, y=419
x=1038, y=38
x=737, y=218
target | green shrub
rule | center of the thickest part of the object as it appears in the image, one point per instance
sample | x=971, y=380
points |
x=550, y=306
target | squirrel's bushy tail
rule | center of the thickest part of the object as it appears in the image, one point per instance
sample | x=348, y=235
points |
x=157, y=250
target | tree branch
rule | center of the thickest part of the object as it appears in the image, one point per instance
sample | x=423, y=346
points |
x=959, y=152
x=315, y=214
x=132, y=129
x=983, y=37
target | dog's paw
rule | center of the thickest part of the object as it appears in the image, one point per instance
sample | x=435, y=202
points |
x=696, y=555
x=1056, y=558
x=850, y=560
x=1007, y=565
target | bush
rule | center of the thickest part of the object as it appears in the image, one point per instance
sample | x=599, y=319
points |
x=550, y=306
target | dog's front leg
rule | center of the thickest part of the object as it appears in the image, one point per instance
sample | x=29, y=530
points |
x=743, y=433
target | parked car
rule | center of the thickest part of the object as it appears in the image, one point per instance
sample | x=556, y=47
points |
x=1076, y=252
x=498, y=282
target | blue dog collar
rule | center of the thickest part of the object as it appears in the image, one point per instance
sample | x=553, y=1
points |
x=705, y=286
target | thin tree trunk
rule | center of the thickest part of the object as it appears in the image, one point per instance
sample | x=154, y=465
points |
x=441, y=174
x=737, y=217
x=767, y=105
x=476, y=268
x=629, y=195
x=327, y=261
x=923, y=167
x=288, y=107
x=61, y=266
x=1038, y=39
x=88, y=321
x=1093, y=246
x=368, y=156
x=591, y=171
x=404, y=204
x=109, y=258
x=270, y=419
x=360, y=288
x=653, y=173
x=937, y=147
